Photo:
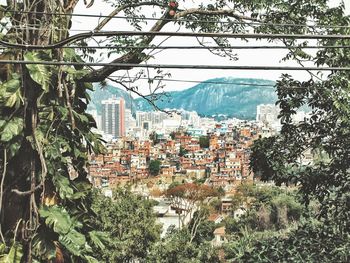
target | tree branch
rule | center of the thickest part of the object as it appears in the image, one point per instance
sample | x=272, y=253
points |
x=25, y=193
x=145, y=97
x=2, y=191
x=220, y=12
x=134, y=56
x=121, y=8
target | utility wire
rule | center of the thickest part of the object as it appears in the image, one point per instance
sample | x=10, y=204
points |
x=182, y=20
x=131, y=65
x=176, y=34
x=206, y=82
x=194, y=81
x=31, y=27
x=196, y=47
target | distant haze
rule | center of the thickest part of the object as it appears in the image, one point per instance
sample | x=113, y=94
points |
x=228, y=97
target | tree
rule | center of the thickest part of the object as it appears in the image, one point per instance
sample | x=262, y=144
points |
x=188, y=201
x=204, y=141
x=154, y=138
x=46, y=132
x=205, y=231
x=115, y=217
x=298, y=246
x=175, y=247
x=324, y=135
x=154, y=167
x=182, y=151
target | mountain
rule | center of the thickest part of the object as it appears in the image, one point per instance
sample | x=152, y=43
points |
x=225, y=96
x=106, y=92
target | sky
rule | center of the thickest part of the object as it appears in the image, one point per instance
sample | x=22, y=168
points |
x=201, y=57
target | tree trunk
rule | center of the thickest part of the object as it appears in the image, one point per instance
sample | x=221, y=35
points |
x=23, y=187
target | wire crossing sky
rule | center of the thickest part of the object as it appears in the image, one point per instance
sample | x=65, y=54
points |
x=254, y=56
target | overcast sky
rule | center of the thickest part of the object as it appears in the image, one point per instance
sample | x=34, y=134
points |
x=246, y=57
x=200, y=57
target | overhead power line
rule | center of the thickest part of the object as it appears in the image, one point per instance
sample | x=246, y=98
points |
x=33, y=28
x=197, y=47
x=183, y=20
x=207, y=47
x=195, y=81
x=176, y=34
x=205, y=82
x=131, y=65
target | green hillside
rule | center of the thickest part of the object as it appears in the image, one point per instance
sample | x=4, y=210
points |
x=226, y=98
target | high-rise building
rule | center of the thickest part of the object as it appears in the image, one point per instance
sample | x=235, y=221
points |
x=267, y=113
x=153, y=117
x=113, y=116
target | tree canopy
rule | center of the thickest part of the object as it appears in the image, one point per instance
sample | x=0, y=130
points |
x=46, y=133
x=129, y=223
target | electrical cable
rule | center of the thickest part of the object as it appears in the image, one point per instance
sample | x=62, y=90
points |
x=176, y=34
x=196, y=81
x=131, y=65
x=181, y=20
x=31, y=27
x=206, y=82
x=197, y=47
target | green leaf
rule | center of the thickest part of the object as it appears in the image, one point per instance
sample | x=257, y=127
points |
x=2, y=248
x=58, y=218
x=81, y=117
x=63, y=185
x=10, y=93
x=43, y=245
x=12, y=100
x=13, y=148
x=83, y=188
x=12, y=85
x=73, y=241
x=74, y=73
x=98, y=238
x=14, y=256
x=91, y=259
x=69, y=53
x=39, y=73
x=10, y=129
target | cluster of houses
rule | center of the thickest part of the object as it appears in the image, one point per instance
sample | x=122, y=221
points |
x=220, y=158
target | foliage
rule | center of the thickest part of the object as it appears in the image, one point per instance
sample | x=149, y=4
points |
x=14, y=255
x=260, y=162
x=309, y=243
x=267, y=208
x=154, y=167
x=323, y=135
x=154, y=137
x=175, y=247
x=215, y=204
x=182, y=151
x=188, y=200
x=127, y=222
x=204, y=232
x=46, y=133
x=204, y=142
